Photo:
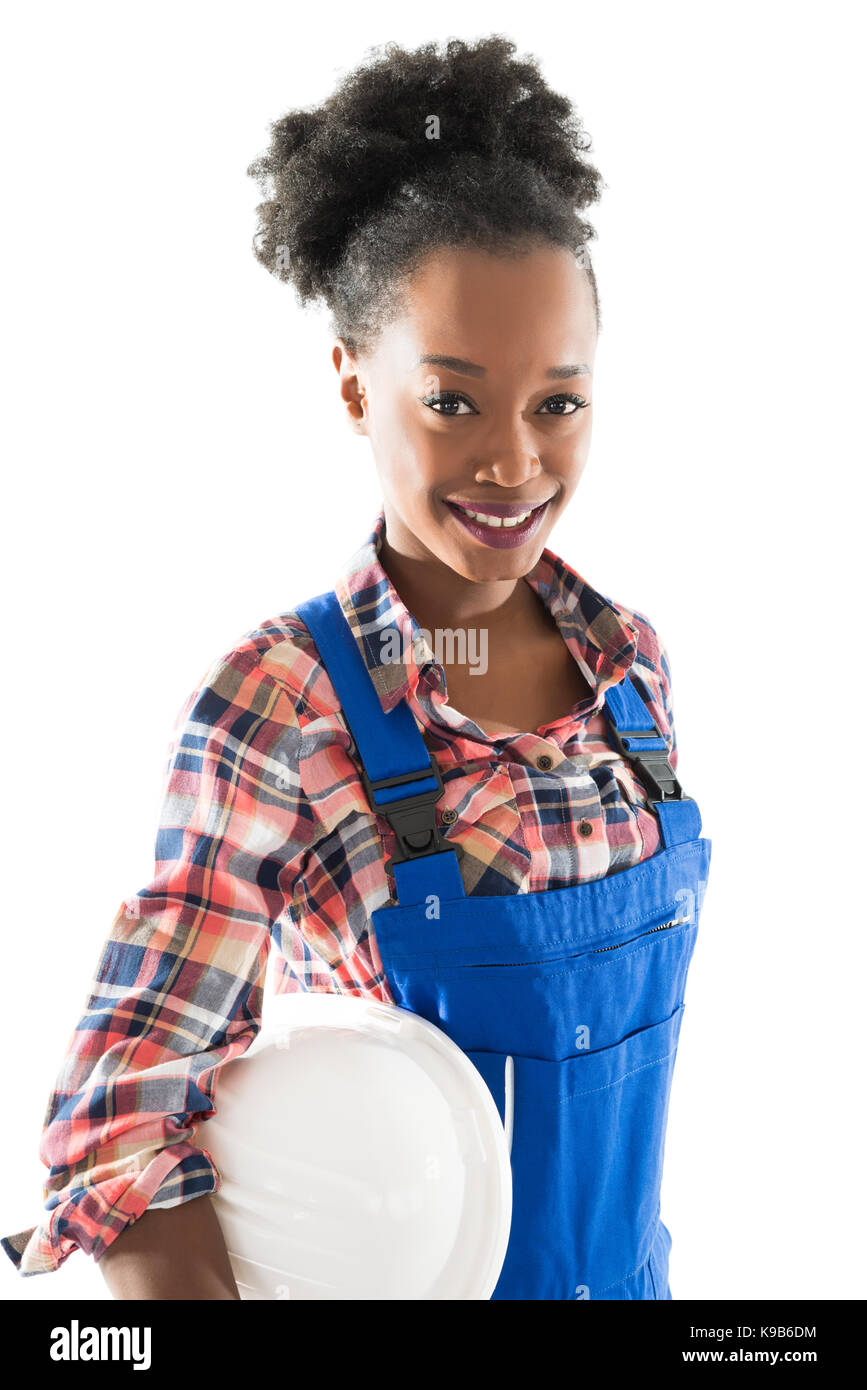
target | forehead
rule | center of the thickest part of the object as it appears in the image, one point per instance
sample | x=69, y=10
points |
x=497, y=309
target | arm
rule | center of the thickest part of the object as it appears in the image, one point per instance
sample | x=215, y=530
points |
x=177, y=992
x=176, y=1254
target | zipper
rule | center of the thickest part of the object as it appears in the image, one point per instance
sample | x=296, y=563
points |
x=675, y=922
x=504, y=964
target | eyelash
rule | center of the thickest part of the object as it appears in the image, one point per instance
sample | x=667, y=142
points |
x=432, y=401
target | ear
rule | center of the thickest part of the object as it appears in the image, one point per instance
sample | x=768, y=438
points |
x=352, y=390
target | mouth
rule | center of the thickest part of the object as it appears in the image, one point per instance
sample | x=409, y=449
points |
x=499, y=524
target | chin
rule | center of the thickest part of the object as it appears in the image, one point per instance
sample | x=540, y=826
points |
x=498, y=566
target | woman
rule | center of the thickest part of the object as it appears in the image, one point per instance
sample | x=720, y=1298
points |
x=516, y=768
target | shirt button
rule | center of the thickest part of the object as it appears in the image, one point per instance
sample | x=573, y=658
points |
x=544, y=761
x=449, y=817
x=585, y=828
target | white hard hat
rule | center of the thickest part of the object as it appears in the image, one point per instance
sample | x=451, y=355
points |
x=361, y=1156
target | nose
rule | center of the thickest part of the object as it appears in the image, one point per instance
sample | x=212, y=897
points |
x=509, y=468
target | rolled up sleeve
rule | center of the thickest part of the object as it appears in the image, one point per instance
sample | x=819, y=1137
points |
x=178, y=988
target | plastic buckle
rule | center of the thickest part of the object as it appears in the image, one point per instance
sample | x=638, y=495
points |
x=653, y=763
x=413, y=818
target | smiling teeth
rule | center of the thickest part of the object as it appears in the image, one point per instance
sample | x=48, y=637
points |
x=485, y=520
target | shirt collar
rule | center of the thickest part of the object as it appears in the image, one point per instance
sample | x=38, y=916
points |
x=596, y=630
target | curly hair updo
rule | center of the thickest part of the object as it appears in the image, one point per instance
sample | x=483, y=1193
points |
x=460, y=146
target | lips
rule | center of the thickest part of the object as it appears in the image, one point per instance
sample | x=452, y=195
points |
x=498, y=524
x=496, y=508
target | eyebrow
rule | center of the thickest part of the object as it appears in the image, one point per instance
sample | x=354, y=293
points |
x=464, y=368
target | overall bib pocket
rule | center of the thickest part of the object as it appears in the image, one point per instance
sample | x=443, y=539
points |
x=577, y=1004
x=588, y=1136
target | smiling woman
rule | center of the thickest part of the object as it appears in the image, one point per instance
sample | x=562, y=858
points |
x=333, y=778
x=466, y=317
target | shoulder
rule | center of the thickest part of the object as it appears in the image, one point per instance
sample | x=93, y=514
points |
x=651, y=655
x=271, y=671
x=652, y=666
x=286, y=655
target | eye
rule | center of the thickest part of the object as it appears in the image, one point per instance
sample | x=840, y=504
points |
x=448, y=400
x=563, y=398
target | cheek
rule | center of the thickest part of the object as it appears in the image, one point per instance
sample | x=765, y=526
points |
x=403, y=431
x=567, y=452
x=422, y=455
x=568, y=461
x=411, y=464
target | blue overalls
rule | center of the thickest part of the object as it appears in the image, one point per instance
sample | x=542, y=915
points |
x=568, y=1001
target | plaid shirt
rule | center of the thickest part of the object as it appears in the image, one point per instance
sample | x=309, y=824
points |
x=266, y=839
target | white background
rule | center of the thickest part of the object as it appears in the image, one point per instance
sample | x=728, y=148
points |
x=178, y=469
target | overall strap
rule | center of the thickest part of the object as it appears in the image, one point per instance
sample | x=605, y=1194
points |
x=401, y=778
x=638, y=737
